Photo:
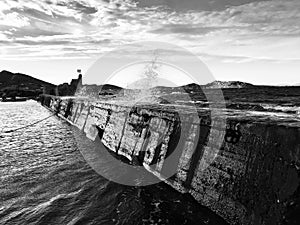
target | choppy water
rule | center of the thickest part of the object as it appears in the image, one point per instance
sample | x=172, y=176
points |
x=45, y=180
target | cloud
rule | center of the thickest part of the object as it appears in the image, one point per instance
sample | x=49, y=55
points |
x=13, y=20
x=259, y=18
x=251, y=29
x=244, y=59
x=199, y=5
x=190, y=29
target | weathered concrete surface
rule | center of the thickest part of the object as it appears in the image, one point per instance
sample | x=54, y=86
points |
x=251, y=179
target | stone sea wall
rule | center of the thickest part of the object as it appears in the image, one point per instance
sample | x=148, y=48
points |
x=252, y=178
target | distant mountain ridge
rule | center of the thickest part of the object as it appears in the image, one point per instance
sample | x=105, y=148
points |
x=10, y=80
x=228, y=84
x=217, y=84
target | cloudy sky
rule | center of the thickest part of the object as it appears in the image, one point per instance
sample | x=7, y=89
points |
x=249, y=40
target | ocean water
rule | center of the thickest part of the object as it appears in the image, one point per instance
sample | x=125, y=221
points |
x=44, y=179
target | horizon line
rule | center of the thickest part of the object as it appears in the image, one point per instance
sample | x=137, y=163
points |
x=255, y=84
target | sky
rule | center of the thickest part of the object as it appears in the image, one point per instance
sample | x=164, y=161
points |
x=136, y=78
x=253, y=41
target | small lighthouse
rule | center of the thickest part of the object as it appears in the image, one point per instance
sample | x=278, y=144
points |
x=79, y=77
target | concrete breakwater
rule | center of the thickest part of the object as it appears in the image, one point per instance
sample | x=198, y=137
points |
x=253, y=178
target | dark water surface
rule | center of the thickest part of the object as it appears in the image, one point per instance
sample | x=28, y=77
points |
x=45, y=180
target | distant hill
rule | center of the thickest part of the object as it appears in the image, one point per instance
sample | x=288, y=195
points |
x=110, y=87
x=216, y=84
x=228, y=84
x=10, y=80
x=191, y=87
x=94, y=90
